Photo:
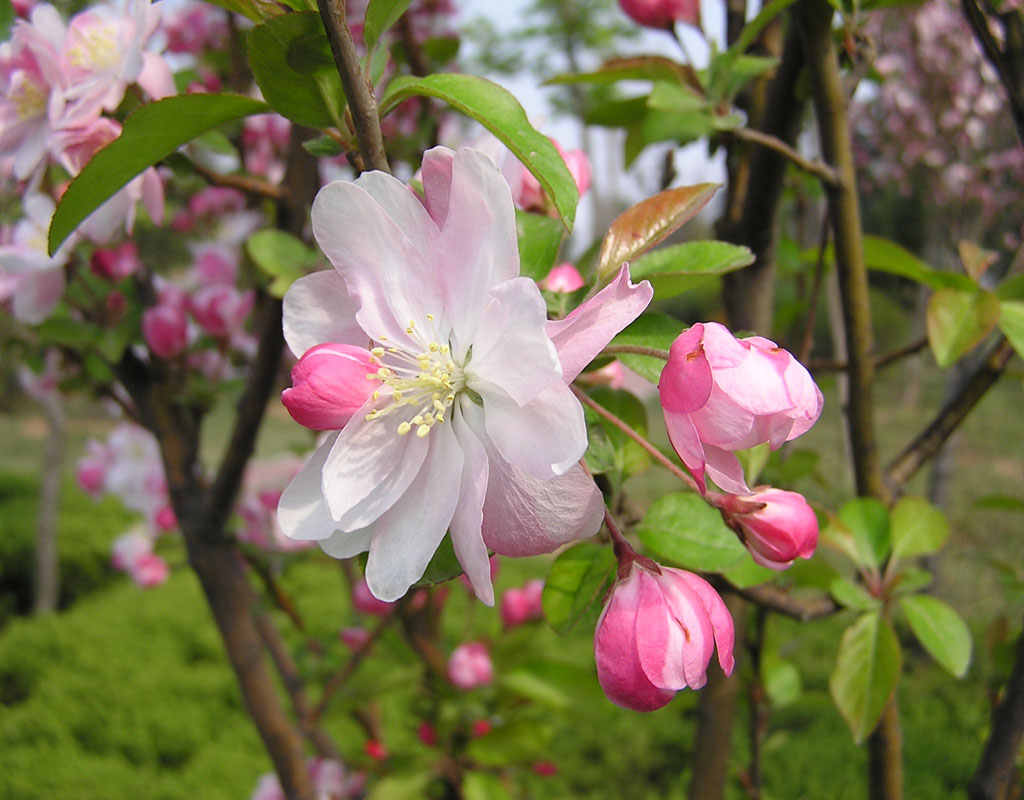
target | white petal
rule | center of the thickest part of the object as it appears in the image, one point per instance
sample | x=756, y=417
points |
x=368, y=469
x=478, y=248
x=301, y=511
x=319, y=309
x=407, y=535
x=392, y=280
x=545, y=437
x=512, y=350
x=345, y=545
x=467, y=523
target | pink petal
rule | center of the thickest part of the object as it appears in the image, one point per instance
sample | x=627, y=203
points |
x=585, y=332
x=301, y=511
x=686, y=381
x=687, y=609
x=718, y=613
x=661, y=642
x=686, y=443
x=156, y=77
x=345, y=545
x=725, y=470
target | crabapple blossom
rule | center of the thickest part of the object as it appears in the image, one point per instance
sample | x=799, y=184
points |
x=31, y=279
x=721, y=394
x=115, y=263
x=527, y=192
x=221, y=309
x=522, y=605
x=331, y=781
x=132, y=552
x=363, y=600
x=776, y=526
x=656, y=636
x=148, y=571
x=257, y=507
x=354, y=638
x=165, y=329
x=470, y=666
x=473, y=429
x=662, y=13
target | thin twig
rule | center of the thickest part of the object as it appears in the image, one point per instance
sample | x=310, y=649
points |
x=820, y=170
x=927, y=443
x=882, y=361
x=340, y=678
x=656, y=454
x=812, y=303
x=244, y=183
x=361, y=103
x=782, y=602
x=636, y=350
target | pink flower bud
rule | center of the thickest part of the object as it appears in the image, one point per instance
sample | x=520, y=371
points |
x=776, y=526
x=215, y=265
x=722, y=394
x=427, y=734
x=220, y=310
x=662, y=13
x=481, y=727
x=354, y=638
x=522, y=605
x=329, y=385
x=148, y=571
x=91, y=473
x=527, y=193
x=545, y=769
x=165, y=519
x=470, y=666
x=375, y=750
x=165, y=329
x=656, y=636
x=115, y=263
x=563, y=278
x=363, y=600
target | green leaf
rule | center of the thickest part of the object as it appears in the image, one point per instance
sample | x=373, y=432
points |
x=852, y=595
x=576, y=582
x=1000, y=502
x=517, y=742
x=940, y=630
x=675, y=98
x=322, y=147
x=668, y=126
x=636, y=68
x=1011, y=288
x=684, y=530
x=497, y=109
x=749, y=573
x=958, y=320
x=782, y=682
x=527, y=684
x=918, y=528
x=753, y=28
x=883, y=255
x=150, y=134
x=443, y=566
x=1011, y=323
x=483, y=786
x=909, y=580
x=650, y=221
x=381, y=15
x=281, y=256
x=540, y=238
x=401, y=787
x=256, y=10
x=867, y=669
x=678, y=268
x=292, y=62
x=628, y=456
x=648, y=330
x=867, y=519
x=7, y=17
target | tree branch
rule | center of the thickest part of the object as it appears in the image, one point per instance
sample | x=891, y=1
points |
x=361, y=102
x=773, y=599
x=820, y=170
x=994, y=776
x=635, y=349
x=927, y=443
x=244, y=183
x=1008, y=62
x=882, y=361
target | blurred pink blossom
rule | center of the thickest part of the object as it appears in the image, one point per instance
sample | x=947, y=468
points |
x=522, y=605
x=470, y=666
x=563, y=278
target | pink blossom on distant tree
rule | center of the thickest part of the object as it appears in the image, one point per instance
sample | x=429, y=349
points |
x=522, y=605
x=115, y=263
x=563, y=278
x=331, y=781
x=165, y=329
x=221, y=310
x=470, y=666
x=721, y=394
x=31, y=280
x=656, y=635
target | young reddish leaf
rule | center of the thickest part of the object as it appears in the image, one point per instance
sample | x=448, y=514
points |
x=650, y=221
x=976, y=259
x=867, y=669
x=957, y=321
x=940, y=630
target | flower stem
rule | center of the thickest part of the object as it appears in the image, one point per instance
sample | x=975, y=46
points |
x=635, y=349
x=655, y=453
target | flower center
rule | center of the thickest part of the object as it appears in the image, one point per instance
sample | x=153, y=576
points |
x=423, y=385
x=28, y=96
x=97, y=47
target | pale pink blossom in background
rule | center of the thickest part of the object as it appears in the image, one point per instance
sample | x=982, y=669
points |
x=656, y=635
x=563, y=278
x=221, y=310
x=354, y=638
x=265, y=139
x=264, y=481
x=91, y=470
x=31, y=280
x=331, y=781
x=165, y=329
x=130, y=547
x=522, y=605
x=526, y=190
x=41, y=386
x=470, y=666
x=115, y=263
x=214, y=263
x=776, y=526
x=484, y=445
x=363, y=600
x=722, y=394
x=148, y=571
